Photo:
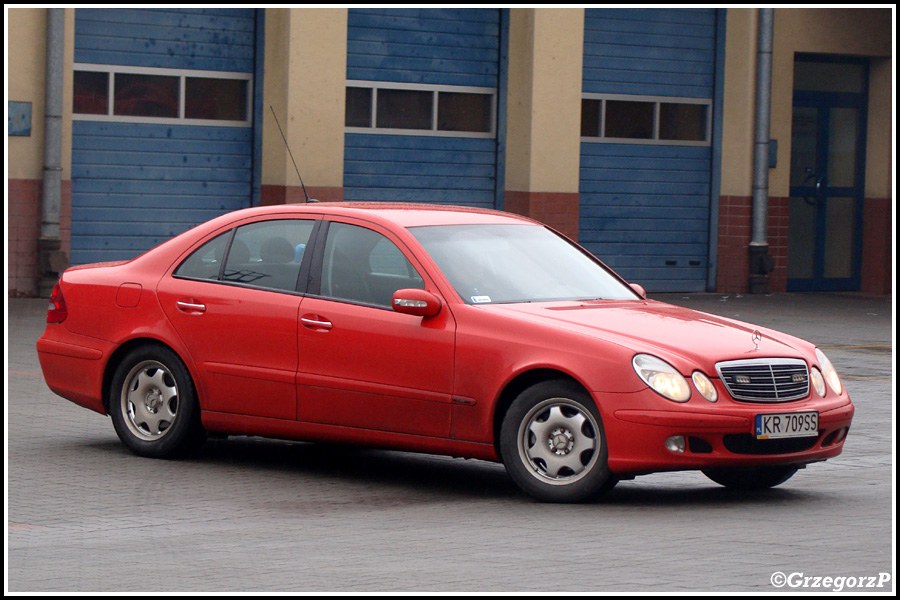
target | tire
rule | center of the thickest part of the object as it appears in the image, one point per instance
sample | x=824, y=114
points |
x=751, y=478
x=153, y=404
x=553, y=445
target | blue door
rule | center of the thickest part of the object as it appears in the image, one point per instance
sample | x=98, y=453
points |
x=163, y=124
x=649, y=81
x=422, y=105
x=827, y=168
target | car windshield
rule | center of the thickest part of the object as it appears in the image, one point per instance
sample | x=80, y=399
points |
x=516, y=263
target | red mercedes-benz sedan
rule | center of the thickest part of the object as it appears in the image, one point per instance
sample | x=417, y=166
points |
x=454, y=331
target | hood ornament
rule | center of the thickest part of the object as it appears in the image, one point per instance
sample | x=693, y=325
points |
x=757, y=338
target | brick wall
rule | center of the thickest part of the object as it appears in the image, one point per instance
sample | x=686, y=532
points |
x=735, y=230
x=559, y=210
x=877, y=259
x=23, y=228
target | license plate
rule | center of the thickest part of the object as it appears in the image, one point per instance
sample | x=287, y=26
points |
x=787, y=425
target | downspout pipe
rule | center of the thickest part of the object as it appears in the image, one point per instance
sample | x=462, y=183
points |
x=52, y=260
x=761, y=264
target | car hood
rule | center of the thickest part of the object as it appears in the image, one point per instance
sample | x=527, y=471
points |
x=687, y=338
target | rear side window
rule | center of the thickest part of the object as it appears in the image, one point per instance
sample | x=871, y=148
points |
x=206, y=261
x=265, y=254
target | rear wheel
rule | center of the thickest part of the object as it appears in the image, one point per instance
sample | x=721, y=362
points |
x=751, y=478
x=153, y=404
x=553, y=444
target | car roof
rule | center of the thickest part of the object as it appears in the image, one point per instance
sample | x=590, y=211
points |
x=402, y=214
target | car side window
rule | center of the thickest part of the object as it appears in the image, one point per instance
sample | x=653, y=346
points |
x=265, y=254
x=268, y=253
x=206, y=261
x=361, y=265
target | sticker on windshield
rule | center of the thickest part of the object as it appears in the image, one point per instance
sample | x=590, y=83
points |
x=481, y=299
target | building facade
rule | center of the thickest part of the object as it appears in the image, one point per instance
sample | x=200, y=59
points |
x=630, y=130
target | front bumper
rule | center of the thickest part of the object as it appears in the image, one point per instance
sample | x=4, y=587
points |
x=716, y=435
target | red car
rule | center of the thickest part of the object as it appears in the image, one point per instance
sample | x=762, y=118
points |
x=455, y=331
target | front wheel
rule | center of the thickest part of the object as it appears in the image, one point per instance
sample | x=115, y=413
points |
x=553, y=444
x=153, y=405
x=751, y=478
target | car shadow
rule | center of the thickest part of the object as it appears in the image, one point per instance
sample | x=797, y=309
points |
x=462, y=478
x=425, y=473
x=699, y=494
x=421, y=475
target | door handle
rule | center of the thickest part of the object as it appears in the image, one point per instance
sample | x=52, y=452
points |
x=316, y=322
x=190, y=305
x=819, y=183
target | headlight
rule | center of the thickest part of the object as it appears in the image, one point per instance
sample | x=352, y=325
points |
x=831, y=376
x=705, y=386
x=662, y=377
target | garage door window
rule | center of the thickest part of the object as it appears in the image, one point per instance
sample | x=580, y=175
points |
x=646, y=120
x=168, y=96
x=411, y=109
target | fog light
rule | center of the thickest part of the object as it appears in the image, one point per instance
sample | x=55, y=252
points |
x=705, y=386
x=818, y=381
x=675, y=443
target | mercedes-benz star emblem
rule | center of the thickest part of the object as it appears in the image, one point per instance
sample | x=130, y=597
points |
x=757, y=338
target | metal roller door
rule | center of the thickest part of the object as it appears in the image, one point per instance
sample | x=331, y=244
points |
x=162, y=125
x=646, y=153
x=413, y=76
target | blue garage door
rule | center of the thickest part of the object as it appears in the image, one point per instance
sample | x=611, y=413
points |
x=162, y=125
x=422, y=105
x=646, y=153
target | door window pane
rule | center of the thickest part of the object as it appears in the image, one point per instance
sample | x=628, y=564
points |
x=815, y=76
x=404, y=109
x=91, y=93
x=804, y=144
x=464, y=112
x=363, y=266
x=629, y=120
x=682, y=122
x=590, y=118
x=802, y=239
x=205, y=262
x=358, y=112
x=146, y=95
x=842, y=129
x=268, y=254
x=839, y=225
x=216, y=99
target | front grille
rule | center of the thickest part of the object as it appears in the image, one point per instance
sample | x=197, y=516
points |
x=765, y=379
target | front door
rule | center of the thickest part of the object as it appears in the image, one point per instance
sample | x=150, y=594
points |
x=827, y=167
x=361, y=364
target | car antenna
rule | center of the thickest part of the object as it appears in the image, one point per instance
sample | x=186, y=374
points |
x=291, y=154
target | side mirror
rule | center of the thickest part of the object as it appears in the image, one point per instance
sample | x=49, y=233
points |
x=639, y=289
x=416, y=302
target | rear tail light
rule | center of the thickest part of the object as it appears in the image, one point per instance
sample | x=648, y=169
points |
x=57, y=311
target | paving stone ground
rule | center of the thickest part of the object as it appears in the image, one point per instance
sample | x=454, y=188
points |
x=254, y=515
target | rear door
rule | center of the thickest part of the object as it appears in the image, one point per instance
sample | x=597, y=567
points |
x=234, y=301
